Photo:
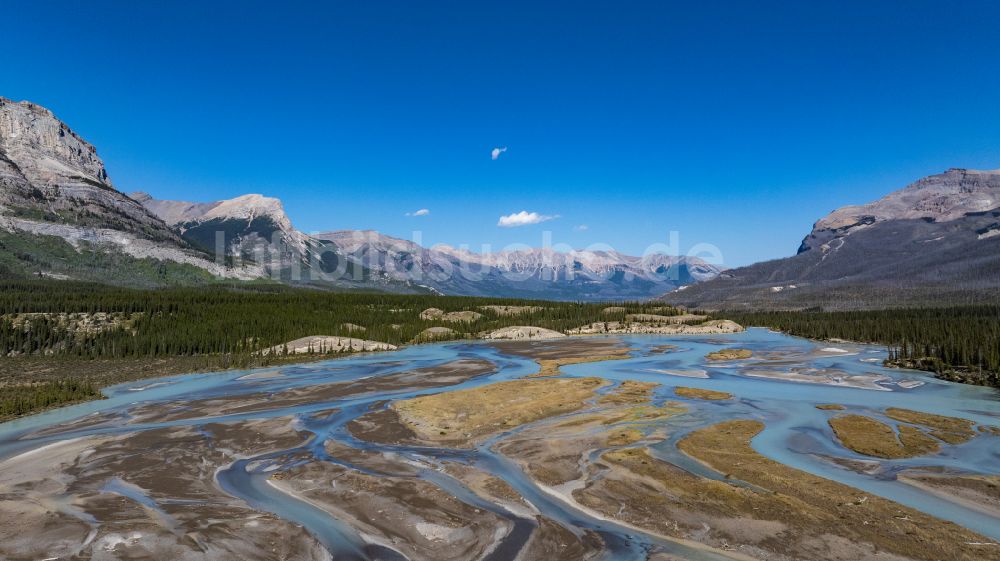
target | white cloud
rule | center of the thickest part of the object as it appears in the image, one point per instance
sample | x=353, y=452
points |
x=421, y=212
x=581, y=228
x=524, y=218
x=497, y=151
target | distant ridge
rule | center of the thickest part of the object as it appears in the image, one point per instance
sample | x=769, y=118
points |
x=934, y=242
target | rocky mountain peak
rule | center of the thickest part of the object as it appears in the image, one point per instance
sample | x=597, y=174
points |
x=44, y=145
x=940, y=198
x=50, y=174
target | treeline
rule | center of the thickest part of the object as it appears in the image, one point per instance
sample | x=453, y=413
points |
x=19, y=400
x=237, y=320
x=959, y=343
x=64, y=340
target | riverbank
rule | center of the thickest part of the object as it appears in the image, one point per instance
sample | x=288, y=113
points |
x=34, y=383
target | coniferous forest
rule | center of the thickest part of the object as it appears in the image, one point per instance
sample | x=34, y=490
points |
x=60, y=342
x=960, y=344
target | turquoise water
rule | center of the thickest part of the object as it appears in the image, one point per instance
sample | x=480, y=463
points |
x=796, y=432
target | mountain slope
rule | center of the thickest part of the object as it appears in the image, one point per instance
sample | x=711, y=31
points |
x=49, y=174
x=59, y=210
x=61, y=216
x=936, y=241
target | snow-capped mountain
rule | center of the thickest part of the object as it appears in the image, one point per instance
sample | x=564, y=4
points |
x=541, y=273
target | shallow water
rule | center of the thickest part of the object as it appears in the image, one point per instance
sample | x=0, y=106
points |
x=796, y=432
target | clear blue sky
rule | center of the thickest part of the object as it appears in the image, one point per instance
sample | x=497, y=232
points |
x=733, y=123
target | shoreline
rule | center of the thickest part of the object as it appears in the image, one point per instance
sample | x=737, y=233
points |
x=297, y=359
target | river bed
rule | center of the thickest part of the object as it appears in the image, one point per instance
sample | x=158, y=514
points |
x=780, y=386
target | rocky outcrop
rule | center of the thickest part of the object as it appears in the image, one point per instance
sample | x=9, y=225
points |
x=944, y=197
x=524, y=332
x=49, y=174
x=325, y=344
x=435, y=334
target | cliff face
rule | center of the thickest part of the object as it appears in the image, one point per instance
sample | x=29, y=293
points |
x=938, y=198
x=49, y=174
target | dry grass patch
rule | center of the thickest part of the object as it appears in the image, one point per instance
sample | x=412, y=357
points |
x=867, y=436
x=949, y=429
x=629, y=392
x=462, y=416
x=698, y=393
x=625, y=437
x=811, y=506
x=730, y=354
x=830, y=407
x=550, y=367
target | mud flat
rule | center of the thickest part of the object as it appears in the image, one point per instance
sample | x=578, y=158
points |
x=148, y=495
x=783, y=514
x=450, y=373
x=682, y=373
x=873, y=438
x=978, y=492
x=405, y=514
x=822, y=376
x=392, y=507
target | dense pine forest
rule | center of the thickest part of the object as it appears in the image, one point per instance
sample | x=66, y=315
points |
x=960, y=344
x=64, y=340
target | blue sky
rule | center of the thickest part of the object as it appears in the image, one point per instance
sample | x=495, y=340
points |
x=733, y=123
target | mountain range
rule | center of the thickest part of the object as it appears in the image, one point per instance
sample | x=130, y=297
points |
x=62, y=217
x=936, y=241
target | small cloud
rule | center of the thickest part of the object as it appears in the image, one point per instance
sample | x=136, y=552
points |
x=581, y=228
x=497, y=151
x=421, y=212
x=524, y=218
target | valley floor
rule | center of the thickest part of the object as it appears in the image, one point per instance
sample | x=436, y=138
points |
x=565, y=448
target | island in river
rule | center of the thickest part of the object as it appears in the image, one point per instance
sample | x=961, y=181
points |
x=619, y=446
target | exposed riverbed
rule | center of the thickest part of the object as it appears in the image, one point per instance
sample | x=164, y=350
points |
x=309, y=461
